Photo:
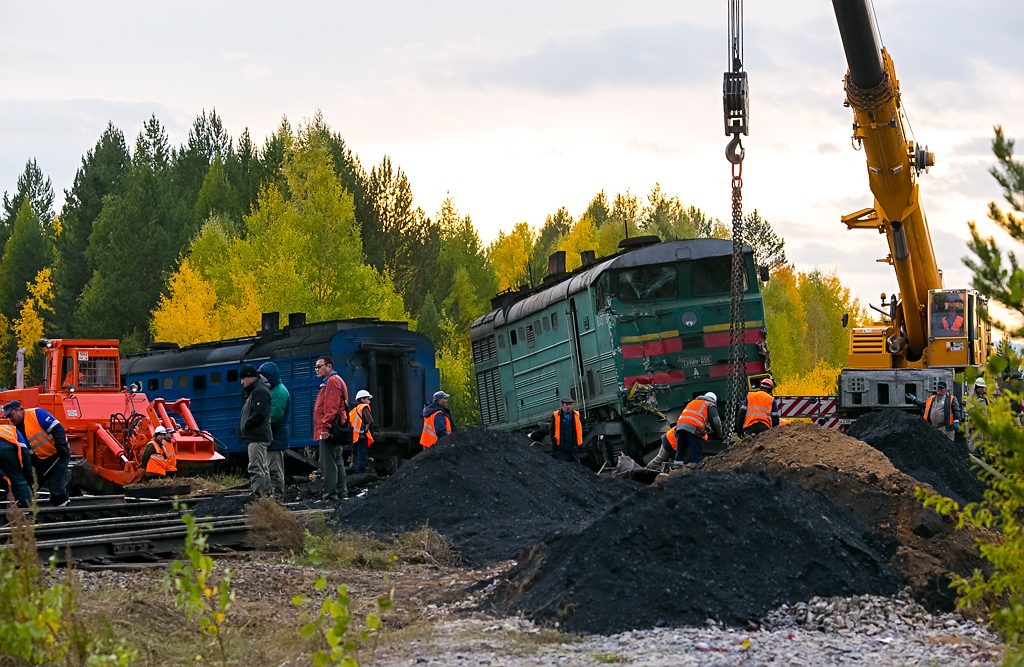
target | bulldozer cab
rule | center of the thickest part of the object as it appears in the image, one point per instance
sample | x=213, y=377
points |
x=81, y=366
x=957, y=336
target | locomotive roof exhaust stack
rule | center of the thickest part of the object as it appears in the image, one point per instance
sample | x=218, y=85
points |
x=556, y=264
x=588, y=257
x=271, y=322
x=296, y=319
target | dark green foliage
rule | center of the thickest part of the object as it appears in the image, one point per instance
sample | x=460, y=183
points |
x=554, y=227
x=598, y=209
x=27, y=252
x=35, y=188
x=429, y=323
x=216, y=195
x=769, y=248
x=391, y=226
x=101, y=174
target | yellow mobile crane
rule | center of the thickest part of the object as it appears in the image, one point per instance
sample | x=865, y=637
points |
x=928, y=332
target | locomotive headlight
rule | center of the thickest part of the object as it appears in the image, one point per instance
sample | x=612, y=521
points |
x=689, y=319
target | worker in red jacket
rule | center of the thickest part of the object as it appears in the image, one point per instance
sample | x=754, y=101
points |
x=330, y=416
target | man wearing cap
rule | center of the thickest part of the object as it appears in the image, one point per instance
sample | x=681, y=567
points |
x=567, y=432
x=759, y=412
x=158, y=458
x=280, y=408
x=943, y=413
x=437, y=420
x=48, y=441
x=698, y=418
x=361, y=421
x=330, y=415
x=254, y=427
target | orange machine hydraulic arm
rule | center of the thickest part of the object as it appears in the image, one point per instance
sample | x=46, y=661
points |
x=894, y=162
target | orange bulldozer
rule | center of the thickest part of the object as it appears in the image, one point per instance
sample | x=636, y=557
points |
x=108, y=424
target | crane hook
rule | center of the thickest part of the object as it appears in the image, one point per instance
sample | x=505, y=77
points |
x=734, y=152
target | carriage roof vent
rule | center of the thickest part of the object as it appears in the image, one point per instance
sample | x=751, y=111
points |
x=639, y=242
x=162, y=346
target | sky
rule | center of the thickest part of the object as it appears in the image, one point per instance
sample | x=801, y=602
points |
x=517, y=109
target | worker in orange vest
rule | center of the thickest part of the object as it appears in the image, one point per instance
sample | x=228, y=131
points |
x=437, y=420
x=698, y=419
x=48, y=442
x=952, y=320
x=158, y=458
x=566, y=431
x=361, y=421
x=942, y=414
x=759, y=412
x=14, y=464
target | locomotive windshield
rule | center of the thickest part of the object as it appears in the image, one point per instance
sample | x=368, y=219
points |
x=712, y=275
x=648, y=283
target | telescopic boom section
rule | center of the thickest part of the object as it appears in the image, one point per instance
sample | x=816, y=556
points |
x=893, y=162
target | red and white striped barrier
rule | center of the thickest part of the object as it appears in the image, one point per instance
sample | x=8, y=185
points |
x=815, y=409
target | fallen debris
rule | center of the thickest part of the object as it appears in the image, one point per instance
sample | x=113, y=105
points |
x=724, y=546
x=488, y=492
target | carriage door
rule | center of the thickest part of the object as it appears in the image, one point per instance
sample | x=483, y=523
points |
x=388, y=383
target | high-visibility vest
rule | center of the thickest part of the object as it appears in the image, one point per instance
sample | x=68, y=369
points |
x=671, y=436
x=695, y=414
x=39, y=441
x=558, y=428
x=958, y=323
x=163, y=459
x=428, y=437
x=10, y=434
x=759, y=409
x=355, y=417
x=949, y=406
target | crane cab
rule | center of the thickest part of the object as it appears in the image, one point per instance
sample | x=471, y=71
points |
x=957, y=336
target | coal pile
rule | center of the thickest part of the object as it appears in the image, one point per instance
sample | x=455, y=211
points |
x=490, y=493
x=725, y=546
x=921, y=451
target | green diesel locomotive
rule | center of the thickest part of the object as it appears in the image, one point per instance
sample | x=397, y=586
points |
x=632, y=338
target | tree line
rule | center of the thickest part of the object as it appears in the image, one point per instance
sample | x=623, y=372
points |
x=192, y=243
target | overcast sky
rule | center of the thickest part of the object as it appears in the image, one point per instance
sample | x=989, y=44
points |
x=519, y=108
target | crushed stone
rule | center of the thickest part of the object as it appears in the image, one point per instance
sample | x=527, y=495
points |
x=921, y=451
x=488, y=492
x=725, y=546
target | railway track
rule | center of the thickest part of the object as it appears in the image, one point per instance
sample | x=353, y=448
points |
x=106, y=528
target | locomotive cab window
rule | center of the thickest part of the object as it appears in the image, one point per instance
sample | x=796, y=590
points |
x=713, y=275
x=648, y=283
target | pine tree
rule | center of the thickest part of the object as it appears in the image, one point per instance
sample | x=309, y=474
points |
x=429, y=322
x=27, y=252
x=102, y=173
x=769, y=248
x=34, y=188
x=216, y=195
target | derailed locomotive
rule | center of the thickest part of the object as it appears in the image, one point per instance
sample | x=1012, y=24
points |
x=632, y=338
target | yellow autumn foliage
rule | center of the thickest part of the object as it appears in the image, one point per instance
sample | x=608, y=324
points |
x=821, y=381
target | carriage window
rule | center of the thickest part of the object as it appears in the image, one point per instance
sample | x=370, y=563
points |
x=182, y=380
x=713, y=275
x=199, y=382
x=522, y=334
x=547, y=324
x=512, y=336
x=168, y=382
x=649, y=283
x=153, y=384
x=501, y=342
x=554, y=321
x=232, y=376
x=536, y=327
x=215, y=377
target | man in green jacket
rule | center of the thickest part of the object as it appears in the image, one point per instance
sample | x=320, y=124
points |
x=280, y=410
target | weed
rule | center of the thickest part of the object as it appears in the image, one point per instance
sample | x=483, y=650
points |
x=351, y=549
x=196, y=589
x=273, y=526
x=39, y=621
x=609, y=658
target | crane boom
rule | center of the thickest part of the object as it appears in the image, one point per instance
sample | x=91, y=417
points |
x=894, y=162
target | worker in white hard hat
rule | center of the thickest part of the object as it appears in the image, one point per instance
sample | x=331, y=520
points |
x=361, y=421
x=158, y=458
x=695, y=421
x=977, y=399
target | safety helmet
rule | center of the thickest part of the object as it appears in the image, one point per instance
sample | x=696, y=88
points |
x=767, y=384
x=159, y=430
x=980, y=382
x=711, y=397
x=363, y=394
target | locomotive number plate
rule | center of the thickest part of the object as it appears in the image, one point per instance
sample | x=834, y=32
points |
x=697, y=361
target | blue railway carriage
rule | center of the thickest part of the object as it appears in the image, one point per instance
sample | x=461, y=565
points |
x=632, y=338
x=394, y=364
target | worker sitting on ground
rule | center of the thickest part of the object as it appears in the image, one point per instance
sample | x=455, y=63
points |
x=976, y=400
x=14, y=464
x=943, y=413
x=759, y=412
x=361, y=421
x=669, y=446
x=699, y=417
x=158, y=458
x=437, y=420
x=48, y=443
x=567, y=432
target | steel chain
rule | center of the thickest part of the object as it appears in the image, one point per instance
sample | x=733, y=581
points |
x=737, y=350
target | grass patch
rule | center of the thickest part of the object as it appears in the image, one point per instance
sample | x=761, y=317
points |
x=350, y=549
x=545, y=636
x=272, y=526
x=608, y=658
x=203, y=483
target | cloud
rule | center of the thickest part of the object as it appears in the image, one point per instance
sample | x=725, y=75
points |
x=828, y=147
x=657, y=147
